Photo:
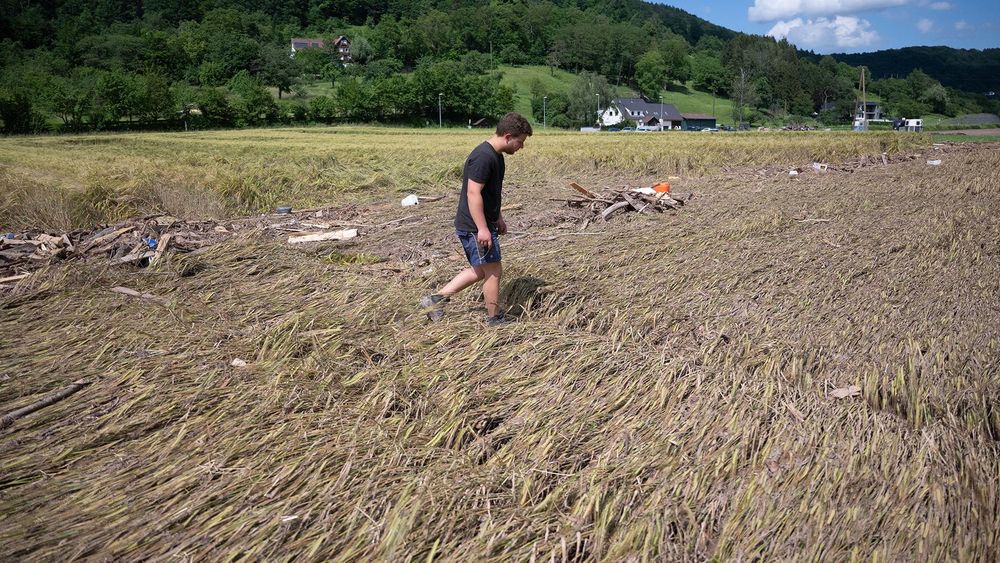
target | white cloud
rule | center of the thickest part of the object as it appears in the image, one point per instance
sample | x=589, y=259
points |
x=769, y=10
x=941, y=6
x=844, y=32
x=961, y=25
x=925, y=25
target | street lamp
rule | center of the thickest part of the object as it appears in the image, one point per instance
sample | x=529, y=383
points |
x=439, y=107
x=661, y=113
x=544, y=121
x=598, y=109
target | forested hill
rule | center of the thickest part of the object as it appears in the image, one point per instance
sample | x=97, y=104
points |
x=970, y=70
x=688, y=26
x=122, y=64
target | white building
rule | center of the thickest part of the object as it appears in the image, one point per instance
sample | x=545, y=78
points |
x=639, y=111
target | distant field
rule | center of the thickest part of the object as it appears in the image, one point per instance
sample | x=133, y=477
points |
x=80, y=180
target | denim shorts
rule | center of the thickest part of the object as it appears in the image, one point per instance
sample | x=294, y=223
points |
x=476, y=255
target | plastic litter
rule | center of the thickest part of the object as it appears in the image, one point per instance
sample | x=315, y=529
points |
x=793, y=172
x=934, y=162
x=819, y=166
x=410, y=200
x=284, y=209
x=150, y=242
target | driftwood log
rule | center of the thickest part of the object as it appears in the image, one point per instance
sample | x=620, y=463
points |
x=52, y=398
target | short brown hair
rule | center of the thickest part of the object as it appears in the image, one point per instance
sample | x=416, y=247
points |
x=515, y=124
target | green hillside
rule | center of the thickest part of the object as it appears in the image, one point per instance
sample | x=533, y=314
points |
x=685, y=98
x=520, y=78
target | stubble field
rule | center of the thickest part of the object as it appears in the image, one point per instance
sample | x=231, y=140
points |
x=787, y=367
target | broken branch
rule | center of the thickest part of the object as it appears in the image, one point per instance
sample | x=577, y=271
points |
x=9, y=418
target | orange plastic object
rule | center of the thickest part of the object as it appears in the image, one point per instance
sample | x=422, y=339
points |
x=661, y=187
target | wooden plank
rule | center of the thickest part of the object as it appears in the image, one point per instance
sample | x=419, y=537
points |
x=134, y=257
x=18, y=277
x=317, y=237
x=587, y=193
x=20, y=241
x=106, y=238
x=639, y=207
x=161, y=246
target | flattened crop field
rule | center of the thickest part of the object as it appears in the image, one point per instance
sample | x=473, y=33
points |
x=787, y=367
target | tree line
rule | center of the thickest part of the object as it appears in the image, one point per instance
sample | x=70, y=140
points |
x=111, y=64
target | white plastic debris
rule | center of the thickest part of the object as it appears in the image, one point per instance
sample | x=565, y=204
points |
x=819, y=166
x=410, y=200
x=238, y=363
x=934, y=162
x=793, y=172
x=645, y=191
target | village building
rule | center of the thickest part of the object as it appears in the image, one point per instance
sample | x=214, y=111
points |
x=652, y=116
x=342, y=46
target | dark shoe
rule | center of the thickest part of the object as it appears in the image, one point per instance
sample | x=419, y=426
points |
x=498, y=320
x=428, y=301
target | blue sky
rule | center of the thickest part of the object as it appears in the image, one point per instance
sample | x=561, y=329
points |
x=857, y=26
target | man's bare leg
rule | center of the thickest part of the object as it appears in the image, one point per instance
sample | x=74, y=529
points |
x=462, y=280
x=491, y=286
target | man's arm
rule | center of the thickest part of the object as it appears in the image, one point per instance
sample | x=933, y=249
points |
x=477, y=209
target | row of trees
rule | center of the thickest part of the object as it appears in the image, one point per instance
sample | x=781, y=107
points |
x=97, y=99
x=98, y=64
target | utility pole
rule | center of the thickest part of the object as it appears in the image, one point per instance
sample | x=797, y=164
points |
x=544, y=120
x=864, y=102
x=440, y=94
x=661, y=112
x=598, y=110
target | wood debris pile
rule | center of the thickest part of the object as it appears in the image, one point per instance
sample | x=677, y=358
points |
x=138, y=241
x=635, y=200
x=142, y=240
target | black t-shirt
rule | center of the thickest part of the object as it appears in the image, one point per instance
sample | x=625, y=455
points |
x=484, y=165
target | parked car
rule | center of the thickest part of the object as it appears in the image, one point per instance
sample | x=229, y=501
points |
x=726, y=128
x=710, y=130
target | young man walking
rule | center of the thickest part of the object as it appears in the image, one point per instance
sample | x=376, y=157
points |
x=479, y=222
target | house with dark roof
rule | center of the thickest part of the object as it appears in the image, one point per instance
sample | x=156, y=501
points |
x=698, y=121
x=640, y=111
x=342, y=46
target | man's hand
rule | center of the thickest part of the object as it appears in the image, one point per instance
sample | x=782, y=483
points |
x=485, y=239
x=501, y=226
